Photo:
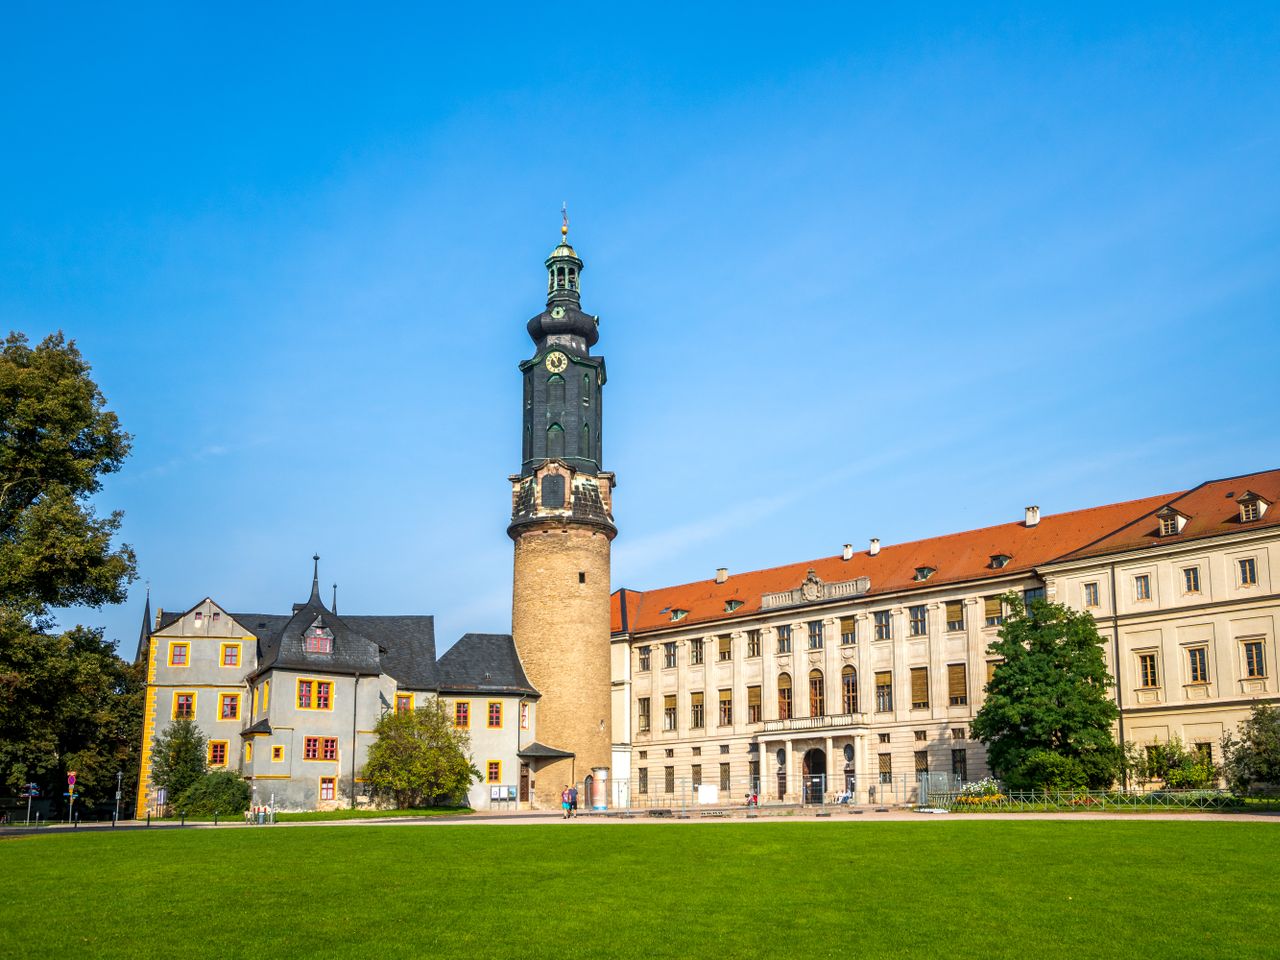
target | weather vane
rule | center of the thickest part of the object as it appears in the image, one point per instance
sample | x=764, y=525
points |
x=564, y=213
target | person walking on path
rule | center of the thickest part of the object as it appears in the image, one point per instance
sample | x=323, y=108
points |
x=573, y=801
x=564, y=801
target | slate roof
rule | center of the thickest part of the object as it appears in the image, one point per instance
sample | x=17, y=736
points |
x=484, y=663
x=352, y=651
x=408, y=645
x=956, y=558
x=540, y=751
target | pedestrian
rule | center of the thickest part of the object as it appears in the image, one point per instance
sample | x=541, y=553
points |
x=573, y=801
x=564, y=801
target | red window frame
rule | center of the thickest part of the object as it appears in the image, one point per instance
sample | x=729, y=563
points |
x=324, y=694
x=184, y=707
x=231, y=655
x=311, y=748
x=329, y=749
x=403, y=702
x=217, y=754
x=328, y=788
x=495, y=715
x=462, y=715
x=304, y=694
x=225, y=701
x=494, y=771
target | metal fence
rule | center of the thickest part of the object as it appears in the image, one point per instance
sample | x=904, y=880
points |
x=686, y=794
x=1063, y=800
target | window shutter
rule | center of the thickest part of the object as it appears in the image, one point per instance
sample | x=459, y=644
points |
x=956, y=685
x=991, y=669
x=848, y=625
x=753, y=696
x=920, y=686
x=695, y=699
x=955, y=611
x=993, y=607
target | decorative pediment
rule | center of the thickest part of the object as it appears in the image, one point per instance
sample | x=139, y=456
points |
x=813, y=589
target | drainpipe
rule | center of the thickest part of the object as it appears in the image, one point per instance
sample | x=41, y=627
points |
x=1115, y=647
x=355, y=700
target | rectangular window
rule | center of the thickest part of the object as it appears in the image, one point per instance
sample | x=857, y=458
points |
x=919, y=620
x=886, y=768
x=1148, y=675
x=957, y=733
x=849, y=690
x=668, y=779
x=324, y=695
x=669, y=712
x=669, y=654
x=697, y=717
x=462, y=714
x=306, y=694
x=695, y=775
x=329, y=748
x=753, y=643
x=884, y=738
x=957, y=684
x=311, y=748
x=922, y=762
x=960, y=765
x=1254, y=663
x=217, y=753
x=277, y=754
x=884, y=692
x=922, y=735
x=228, y=706
x=524, y=716
x=955, y=615
x=642, y=780
x=1203, y=750
x=991, y=669
x=328, y=787
x=1091, y=595
x=784, y=697
x=784, y=638
x=848, y=631
x=817, y=694
x=725, y=648
x=643, y=666
x=884, y=625
x=695, y=652
x=184, y=706
x=266, y=693
x=495, y=714
x=726, y=708
x=919, y=688
x=248, y=751
x=1191, y=580
x=1248, y=572
x=493, y=771
x=993, y=611
x=1031, y=595
x=1142, y=587
x=815, y=634
x=179, y=654
x=642, y=718
x=404, y=703
x=231, y=654
x=724, y=778
x=1198, y=664
x=753, y=705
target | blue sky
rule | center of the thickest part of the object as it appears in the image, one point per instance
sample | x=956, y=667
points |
x=860, y=273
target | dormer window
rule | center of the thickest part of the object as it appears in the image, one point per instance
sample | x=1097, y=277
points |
x=318, y=640
x=731, y=605
x=1000, y=560
x=678, y=614
x=1252, y=506
x=924, y=573
x=1171, y=521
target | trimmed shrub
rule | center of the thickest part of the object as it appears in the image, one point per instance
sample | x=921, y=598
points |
x=222, y=792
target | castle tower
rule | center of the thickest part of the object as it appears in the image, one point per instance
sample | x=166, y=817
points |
x=562, y=525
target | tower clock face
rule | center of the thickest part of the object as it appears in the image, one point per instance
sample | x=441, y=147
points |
x=557, y=312
x=557, y=361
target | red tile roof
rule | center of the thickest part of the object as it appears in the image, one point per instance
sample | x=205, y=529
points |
x=957, y=557
x=1211, y=510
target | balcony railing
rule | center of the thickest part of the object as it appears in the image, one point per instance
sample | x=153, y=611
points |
x=816, y=723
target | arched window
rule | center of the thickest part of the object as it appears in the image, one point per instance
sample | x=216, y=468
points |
x=585, y=449
x=560, y=278
x=586, y=389
x=555, y=391
x=784, y=696
x=848, y=690
x=817, y=695
x=555, y=440
x=573, y=279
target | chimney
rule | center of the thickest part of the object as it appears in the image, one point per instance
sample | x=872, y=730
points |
x=1033, y=516
x=875, y=546
x=848, y=552
x=722, y=574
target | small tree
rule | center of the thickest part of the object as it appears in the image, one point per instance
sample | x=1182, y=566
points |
x=1046, y=721
x=178, y=757
x=223, y=791
x=1178, y=767
x=1254, y=756
x=420, y=757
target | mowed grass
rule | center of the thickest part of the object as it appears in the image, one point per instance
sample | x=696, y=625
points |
x=951, y=889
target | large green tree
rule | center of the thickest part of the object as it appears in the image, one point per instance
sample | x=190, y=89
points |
x=1251, y=756
x=1047, y=717
x=420, y=757
x=178, y=758
x=67, y=701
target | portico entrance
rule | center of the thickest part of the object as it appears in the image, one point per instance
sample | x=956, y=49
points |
x=815, y=775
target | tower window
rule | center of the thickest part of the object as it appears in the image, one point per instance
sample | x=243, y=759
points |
x=582, y=576
x=555, y=441
x=586, y=389
x=555, y=390
x=553, y=490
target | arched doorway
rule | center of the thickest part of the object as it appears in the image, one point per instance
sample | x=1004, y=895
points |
x=815, y=775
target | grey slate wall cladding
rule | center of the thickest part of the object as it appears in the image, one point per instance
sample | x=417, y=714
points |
x=566, y=408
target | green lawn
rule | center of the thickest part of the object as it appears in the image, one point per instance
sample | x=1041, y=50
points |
x=361, y=813
x=955, y=889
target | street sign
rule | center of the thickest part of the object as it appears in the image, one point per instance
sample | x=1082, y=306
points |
x=71, y=779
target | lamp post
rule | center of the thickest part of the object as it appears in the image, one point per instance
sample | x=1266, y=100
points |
x=119, y=781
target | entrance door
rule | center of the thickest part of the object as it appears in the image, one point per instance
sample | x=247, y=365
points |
x=815, y=775
x=524, y=783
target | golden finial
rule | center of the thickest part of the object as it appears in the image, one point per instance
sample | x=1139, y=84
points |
x=564, y=227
